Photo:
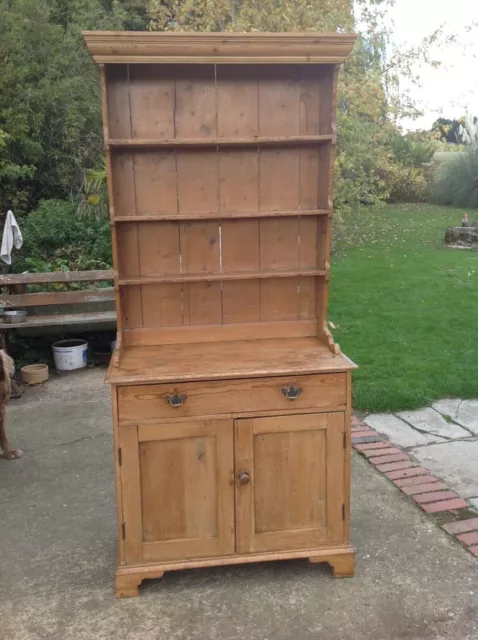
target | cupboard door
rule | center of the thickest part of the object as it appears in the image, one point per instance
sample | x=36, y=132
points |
x=177, y=488
x=289, y=482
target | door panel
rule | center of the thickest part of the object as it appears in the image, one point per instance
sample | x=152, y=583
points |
x=178, y=496
x=294, y=496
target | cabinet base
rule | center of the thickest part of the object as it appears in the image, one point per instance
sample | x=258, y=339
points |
x=129, y=578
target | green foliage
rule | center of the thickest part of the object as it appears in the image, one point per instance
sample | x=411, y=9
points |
x=50, y=119
x=456, y=180
x=94, y=192
x=407, y=184
x=57, y=239
x=49, y=94
x=448, y=130
x=413, y=149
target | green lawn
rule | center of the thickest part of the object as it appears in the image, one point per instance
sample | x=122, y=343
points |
x=405, y=306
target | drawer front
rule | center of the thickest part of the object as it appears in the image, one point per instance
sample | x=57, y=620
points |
x=149, y=402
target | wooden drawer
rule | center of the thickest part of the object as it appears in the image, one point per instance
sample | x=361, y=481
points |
x=149, y=402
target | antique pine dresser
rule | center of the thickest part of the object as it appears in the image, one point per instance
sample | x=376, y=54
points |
x=231, y=401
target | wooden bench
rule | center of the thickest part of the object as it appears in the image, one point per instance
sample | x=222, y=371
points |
x=12, y=298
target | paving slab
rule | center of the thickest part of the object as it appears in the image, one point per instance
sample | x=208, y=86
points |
x=430, y=421
x=474, y=502
x=58, y=534
x=399, y=432
x=465, y=412
x=456, y=463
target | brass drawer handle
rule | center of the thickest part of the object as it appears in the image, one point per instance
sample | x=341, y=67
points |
x=176, y=400
x=291, y=392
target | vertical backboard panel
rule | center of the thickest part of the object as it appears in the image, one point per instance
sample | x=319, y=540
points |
x=152, y=101
x=238, y=117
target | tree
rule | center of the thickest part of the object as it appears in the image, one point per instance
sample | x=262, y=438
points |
x=447, y=130
x=49, y=94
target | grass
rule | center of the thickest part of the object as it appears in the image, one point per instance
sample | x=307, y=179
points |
x=405, y=307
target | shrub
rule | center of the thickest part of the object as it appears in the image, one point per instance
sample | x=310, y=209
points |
x=57, y=239
x=413, y=149
x=407, y=184
x=456, y=181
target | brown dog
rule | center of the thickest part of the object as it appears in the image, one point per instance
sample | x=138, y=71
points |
x=7, y=369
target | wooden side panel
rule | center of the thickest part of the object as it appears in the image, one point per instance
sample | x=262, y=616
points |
x=128, y=249
x=119, y=125
x=295, y=496
x=131, y=495
x=187, y=502
x=119, y=114
x=124, y=193
x=336, y=452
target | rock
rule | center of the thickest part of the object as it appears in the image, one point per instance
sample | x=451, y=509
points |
x=462, y=237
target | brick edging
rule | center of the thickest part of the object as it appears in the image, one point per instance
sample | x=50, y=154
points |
x=417, y=483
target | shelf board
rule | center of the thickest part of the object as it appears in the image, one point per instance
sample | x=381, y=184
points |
x=221, y=215
x=220, y=142
x=212, y=277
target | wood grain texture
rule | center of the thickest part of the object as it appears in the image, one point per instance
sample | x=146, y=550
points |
x=128, y=579
x=57, y=298
x=225, y=215
x=230, y=48
x=254, y=141
x=216, y=360
x=286, y=503
x=186, y=493
x=131, y=492
x=220, y=177
x=147, y=402
x=63, y=319
x=210, y=334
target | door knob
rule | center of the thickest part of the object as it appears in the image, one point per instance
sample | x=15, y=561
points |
x=243, y=477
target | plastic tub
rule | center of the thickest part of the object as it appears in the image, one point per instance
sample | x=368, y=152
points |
x=34, y=373
x=70, y=354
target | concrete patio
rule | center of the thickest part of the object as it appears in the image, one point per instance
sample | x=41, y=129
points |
x=58, y=536
x=443, y=437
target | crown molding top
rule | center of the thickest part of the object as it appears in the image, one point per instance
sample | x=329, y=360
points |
x=219, y=48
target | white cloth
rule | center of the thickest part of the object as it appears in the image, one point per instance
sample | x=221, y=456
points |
x=12, y=237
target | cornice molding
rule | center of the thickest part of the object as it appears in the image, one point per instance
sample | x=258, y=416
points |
x=219, y=48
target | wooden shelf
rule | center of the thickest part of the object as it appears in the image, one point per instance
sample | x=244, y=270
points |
x=220, y=215
x=221, y=142
x=217, y=360
x=211, y=277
